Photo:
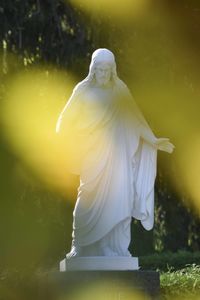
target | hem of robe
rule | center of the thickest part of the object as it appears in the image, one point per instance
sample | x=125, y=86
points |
x=77, y=242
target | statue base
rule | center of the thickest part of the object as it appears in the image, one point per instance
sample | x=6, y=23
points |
x=110, y=263
x=106, y=285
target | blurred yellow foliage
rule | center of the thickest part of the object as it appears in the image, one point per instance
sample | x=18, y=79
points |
x=121, y=10
x=103, y=290
x=30, y=111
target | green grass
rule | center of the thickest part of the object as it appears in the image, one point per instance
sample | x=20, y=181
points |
x=179, y=273
x=181, y=284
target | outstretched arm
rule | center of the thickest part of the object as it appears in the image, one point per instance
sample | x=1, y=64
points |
x=162, y=144
x=146, y=133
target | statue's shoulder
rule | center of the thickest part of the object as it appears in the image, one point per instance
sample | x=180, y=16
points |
x=123, y=88
x=80, y=88
x=122, y=84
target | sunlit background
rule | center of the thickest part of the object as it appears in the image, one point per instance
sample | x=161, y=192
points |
x=121, y=12
x=29, y=114
x=43, y=55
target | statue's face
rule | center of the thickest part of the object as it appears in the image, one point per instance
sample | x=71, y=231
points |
x=102, y=74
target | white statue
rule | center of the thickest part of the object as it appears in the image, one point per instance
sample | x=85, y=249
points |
x=116, y=160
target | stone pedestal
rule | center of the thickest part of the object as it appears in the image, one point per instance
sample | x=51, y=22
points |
x=99, y=263
x=102, y=285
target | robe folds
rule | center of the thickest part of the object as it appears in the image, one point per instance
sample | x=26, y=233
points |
x=117, y=166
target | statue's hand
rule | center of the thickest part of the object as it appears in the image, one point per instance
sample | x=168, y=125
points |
x=163, y=144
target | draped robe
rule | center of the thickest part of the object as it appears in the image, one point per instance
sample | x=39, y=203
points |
x=117, y=168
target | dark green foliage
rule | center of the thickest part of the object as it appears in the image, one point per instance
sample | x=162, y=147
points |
x=176, y=222
x=169, y=260
x=48, y=31
x=142, y=240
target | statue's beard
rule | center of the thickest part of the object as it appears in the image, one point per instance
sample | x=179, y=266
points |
x=103, y=81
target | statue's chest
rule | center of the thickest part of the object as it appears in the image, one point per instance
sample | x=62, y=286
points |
x=98, y=99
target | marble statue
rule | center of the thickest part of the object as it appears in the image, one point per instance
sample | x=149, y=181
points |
x=116, y=161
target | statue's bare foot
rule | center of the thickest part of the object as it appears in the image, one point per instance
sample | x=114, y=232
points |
x=128, y=253
x=75, y=252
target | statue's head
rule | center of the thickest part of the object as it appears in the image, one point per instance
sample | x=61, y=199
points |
x=102, y=67
x=102, y=71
